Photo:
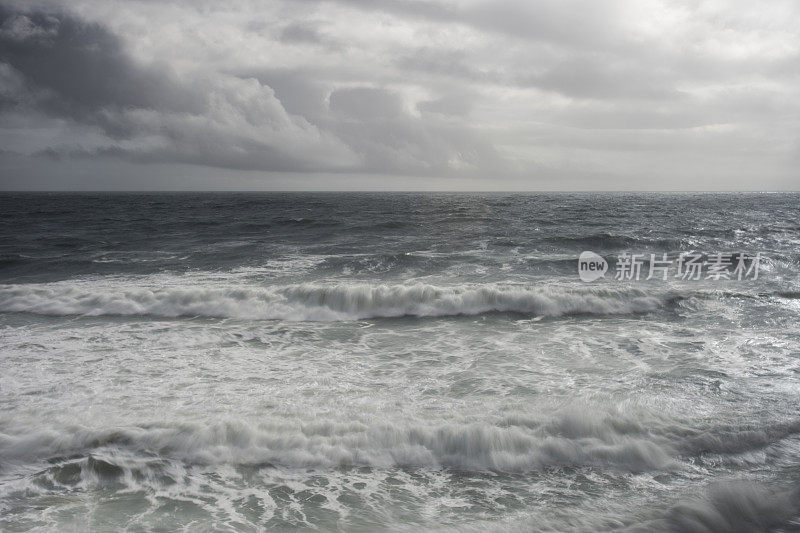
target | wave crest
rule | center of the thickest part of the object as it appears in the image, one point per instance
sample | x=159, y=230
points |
x=328, y=444
x=314, y=301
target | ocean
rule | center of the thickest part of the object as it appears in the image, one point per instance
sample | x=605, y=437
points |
x=399, y=362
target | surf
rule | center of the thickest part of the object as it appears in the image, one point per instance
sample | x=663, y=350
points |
x=324, y=302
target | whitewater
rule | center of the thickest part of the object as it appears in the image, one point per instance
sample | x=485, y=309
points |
x=395, y=362
x=319, y=302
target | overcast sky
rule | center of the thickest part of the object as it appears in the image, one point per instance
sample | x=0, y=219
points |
x=400, y=94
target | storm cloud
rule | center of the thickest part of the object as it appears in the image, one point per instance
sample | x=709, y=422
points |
x=568, y=94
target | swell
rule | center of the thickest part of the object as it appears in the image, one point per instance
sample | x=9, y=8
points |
x=314, y=301
x=608, y=241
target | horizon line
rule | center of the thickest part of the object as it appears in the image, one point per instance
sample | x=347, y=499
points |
x=415, y=191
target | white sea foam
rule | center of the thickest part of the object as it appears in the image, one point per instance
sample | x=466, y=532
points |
x=321, y=301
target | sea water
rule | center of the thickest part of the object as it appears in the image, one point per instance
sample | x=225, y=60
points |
x=397, y=362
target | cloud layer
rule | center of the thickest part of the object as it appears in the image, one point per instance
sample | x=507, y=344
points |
x=554, y=94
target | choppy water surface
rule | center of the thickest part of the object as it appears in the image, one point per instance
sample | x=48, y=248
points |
x=363, y=362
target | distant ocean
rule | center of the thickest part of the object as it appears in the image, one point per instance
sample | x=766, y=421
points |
x=397, y=362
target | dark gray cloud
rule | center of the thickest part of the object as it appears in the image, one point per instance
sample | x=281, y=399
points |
x=374, y=122
x=303, y=32
x=585, y=23
x=458, y=105
x=571, y=93
x=80, y=68
x=300, y=93
x=81, y=71
x=366, y=104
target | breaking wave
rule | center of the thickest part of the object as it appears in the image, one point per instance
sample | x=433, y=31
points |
x=634, y=442
x=468, y=447
x=314, y=302
x=729, y=507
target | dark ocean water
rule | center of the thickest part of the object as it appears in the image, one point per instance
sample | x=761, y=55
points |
x=397, y=362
